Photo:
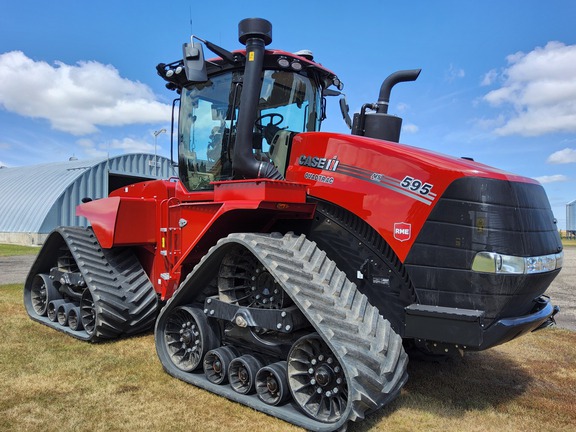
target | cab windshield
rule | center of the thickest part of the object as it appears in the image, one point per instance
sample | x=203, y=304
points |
x=208, y=114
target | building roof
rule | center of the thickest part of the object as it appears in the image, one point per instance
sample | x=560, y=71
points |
x=40, y=197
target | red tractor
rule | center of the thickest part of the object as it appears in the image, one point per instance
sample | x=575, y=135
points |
x=286, y=268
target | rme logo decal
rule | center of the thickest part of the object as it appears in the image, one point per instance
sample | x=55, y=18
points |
x=402, y=231
x=318, y=162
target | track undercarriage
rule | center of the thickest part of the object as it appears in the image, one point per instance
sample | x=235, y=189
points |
x=270, y=321
x=88, y=292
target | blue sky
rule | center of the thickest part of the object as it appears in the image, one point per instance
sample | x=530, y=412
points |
x=498, y=79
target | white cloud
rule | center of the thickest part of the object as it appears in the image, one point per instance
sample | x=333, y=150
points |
x=454, y=72
x=489, y=78
x=410, y=128
x=75, y=98
x=567, y=155
x=489, y=123
x=125, y=145
x=541, y=88
x=551, y=179
x=131, y=145
x=402, y=107
x=90, y=148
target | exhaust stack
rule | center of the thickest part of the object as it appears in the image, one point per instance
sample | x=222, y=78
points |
x=379, y=124
x=255, y=33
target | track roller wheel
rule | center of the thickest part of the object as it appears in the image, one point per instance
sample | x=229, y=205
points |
x=316, y=379
x=242, y=373
x=188, y=336
x=74, y=321
x=52, y=310
x=216, y=363
x=42, y=292
x=62, y=313
x=272, y=384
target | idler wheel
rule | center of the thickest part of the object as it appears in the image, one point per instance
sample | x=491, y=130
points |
x=188, y=336
x=42, y=292
x=316, y=379
x=88, y=312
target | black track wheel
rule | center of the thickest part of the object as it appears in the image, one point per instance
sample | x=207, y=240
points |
x=74, y=321
x=316, y=379
x=242, y=373
x=272, y=384
x=216, y=363
x=63, y=312
x=41, y=293
x=52, y=310
x=88, y=312
x=244, y=281
x=188, y=336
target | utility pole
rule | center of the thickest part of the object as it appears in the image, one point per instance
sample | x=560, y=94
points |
x=156, y=133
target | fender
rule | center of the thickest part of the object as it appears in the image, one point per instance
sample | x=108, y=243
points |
x=120, y=221
x=129, y=215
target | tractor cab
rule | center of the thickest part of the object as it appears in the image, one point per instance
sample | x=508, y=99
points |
x=289, y=103
x=290, y=100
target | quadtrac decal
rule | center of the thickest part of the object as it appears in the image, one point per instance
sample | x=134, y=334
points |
x=324, y=164
x=409, y=186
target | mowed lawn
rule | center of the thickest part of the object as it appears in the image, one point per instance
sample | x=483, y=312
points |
x=50, y=382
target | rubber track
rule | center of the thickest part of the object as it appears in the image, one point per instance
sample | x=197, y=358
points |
x=124, y=298
x=362, y=340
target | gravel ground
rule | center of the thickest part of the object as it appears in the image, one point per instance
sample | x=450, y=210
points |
x=14, y=269
x=562, y=291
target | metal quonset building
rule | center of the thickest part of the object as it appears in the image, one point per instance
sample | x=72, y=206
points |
x=36, y=199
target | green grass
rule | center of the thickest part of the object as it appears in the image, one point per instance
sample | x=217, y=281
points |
x=11, y=250
x=568, y=243
x=51, y=382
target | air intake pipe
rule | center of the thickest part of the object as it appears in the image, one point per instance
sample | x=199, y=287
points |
x=255, y=33
x=380, y=124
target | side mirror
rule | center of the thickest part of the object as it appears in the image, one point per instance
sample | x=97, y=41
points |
x=345, y=110
x=194, y=64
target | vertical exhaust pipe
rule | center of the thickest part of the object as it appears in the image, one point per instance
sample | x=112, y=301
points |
x=391, y=81
x=379, y=124
x=255, y=33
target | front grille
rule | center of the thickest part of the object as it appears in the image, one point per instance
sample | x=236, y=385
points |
x=478, y=214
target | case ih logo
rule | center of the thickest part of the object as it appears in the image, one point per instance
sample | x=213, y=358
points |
x=402, y=231
x=318, y=162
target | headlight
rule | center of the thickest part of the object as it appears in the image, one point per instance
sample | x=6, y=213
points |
x=492, y=262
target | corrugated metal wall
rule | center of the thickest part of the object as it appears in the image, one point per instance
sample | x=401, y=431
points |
x=37, y=199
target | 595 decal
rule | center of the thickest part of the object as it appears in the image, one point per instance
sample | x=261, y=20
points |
x=416, y=185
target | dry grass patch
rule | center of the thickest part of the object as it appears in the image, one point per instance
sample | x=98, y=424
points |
x=51, y=382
